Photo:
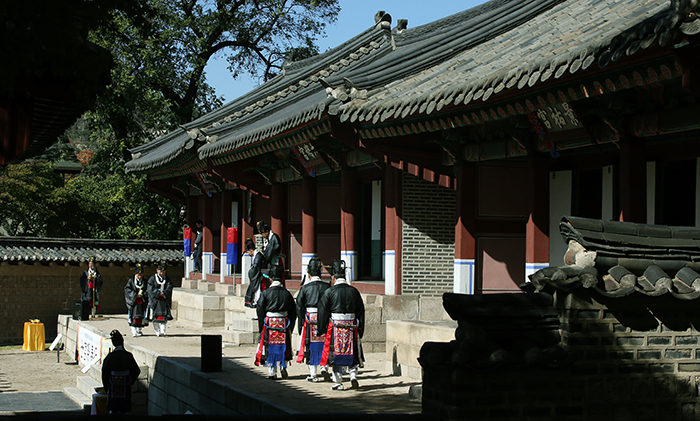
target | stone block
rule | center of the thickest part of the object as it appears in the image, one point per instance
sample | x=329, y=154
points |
x=373, y=315
x=245, y=325
x=189, y=284
x=374, y=333
x=206, y=286
x=224, y=289
x=431, y=308
x=209, y=302
x=399, y=307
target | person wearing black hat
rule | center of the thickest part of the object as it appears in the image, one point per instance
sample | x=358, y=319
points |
x=160, y=295
x=119, y=372
x=197, y=252
x=272, y=246
x=310, y=344
x=255, y=276
x=91, y=284
x=276, y=318
x=341, y=316
x=136, y=297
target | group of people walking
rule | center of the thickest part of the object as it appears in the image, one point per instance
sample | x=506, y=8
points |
x=330, y=323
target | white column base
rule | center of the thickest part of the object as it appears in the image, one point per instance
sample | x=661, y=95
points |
x=246, y=263
x=390, y=272
x=464, y=282
x=225, y=269
x=189, y=266
x=207, y=263
x=350, y=259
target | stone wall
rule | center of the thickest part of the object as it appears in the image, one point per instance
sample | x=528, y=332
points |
x=633, y=359
x=43, y=292
x=428, y=236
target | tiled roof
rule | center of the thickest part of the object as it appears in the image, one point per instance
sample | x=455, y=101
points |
x=617, y=259
x=293, y=98
x=76, y=250
x=485, y=52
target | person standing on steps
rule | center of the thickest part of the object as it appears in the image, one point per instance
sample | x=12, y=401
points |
x=198, y=247
x=91, y=284
x=255, y=276
x=311, y=344
x=276, y=318
x=272, y=246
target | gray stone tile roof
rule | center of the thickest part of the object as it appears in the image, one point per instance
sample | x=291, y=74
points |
x=485, y=52
x=76, y=250
x=617, y=259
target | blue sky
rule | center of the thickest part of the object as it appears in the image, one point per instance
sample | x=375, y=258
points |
x=355, y=16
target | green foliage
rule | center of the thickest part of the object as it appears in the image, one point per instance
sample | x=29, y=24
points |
x=30, y=195
x=158, y=81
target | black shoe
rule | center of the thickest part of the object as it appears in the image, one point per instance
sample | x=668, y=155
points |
x=272, y=377
x=355, y=384
x=284, y=373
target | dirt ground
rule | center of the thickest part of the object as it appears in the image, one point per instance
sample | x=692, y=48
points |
x=31, y=371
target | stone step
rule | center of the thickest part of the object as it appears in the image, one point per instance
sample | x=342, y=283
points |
x=238, y=338
x=74, y=394
x=88, y=386
x=242, y=323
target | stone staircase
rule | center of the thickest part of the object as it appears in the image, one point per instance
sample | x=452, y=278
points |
x=91, y=383
x=210, y=304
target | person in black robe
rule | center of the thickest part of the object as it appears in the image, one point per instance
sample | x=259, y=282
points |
x=341, y=316
x=160, y=296
x=276, y=318
x=136, y=296
x=91, y=284
x=310, y=344
x=119, y=373
x=257, y=282
x=272, y=246
x=198, y=247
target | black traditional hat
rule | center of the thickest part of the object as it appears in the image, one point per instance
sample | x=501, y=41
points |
x=92, y=259
x=249, y=244
x=162, y=266
x=117, y=338
x=276, y=273
x=338, y=268
x=262, y=227
x=314, y=267
x=138, y=268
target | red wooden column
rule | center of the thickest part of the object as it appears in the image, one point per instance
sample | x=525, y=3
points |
x=226, y=199
x=348, y=213
x=206, y=214
x=465, y=229
x=633, y=186
x=392, y=234
x=537, y=228
x=309, y=210
x=278, y=216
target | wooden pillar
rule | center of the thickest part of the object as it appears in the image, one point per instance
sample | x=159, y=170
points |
x=537, y=228
x=246, y=231
x=192, y=212
x=309, y=210
x=206, y=212
x=465, y=229
x=278, y=216
x=348, y=214
x=392, y=235
x=633, y=186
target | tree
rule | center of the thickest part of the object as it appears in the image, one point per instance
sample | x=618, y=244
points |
x=160, y=55
x=30, y=195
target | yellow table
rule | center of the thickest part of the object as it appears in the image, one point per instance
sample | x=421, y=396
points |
x=34, y=336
